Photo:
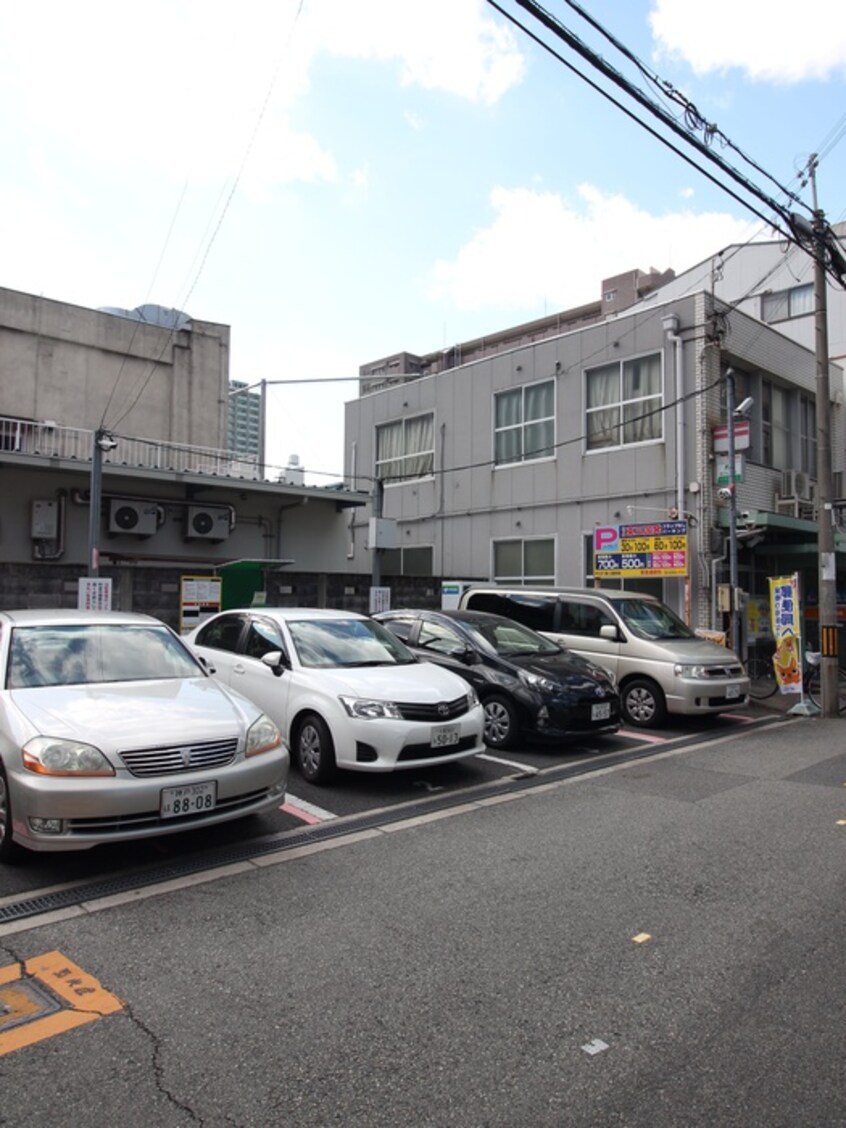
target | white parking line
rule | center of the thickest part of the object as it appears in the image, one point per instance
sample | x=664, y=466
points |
x=305, y=811
x=524, y=768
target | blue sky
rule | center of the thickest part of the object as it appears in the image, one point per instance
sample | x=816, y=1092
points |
x=341, y=179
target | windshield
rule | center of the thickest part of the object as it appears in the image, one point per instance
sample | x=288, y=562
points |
x=509, y=639
x=347, y=642
x=651, y=620
x=92, y=654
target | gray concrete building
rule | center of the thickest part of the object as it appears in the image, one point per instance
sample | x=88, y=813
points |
x=175, y=501
x=501, y=462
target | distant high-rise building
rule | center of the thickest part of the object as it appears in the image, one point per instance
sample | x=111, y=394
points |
x=244, y=419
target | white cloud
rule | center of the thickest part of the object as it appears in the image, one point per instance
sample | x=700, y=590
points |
x=448, y=45
x=189, y=88
x=542, y=249
x=774, y=42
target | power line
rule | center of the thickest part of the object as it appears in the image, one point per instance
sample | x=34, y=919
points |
x=692, y=116
x=599, y=64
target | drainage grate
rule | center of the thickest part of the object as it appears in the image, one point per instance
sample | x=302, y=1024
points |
x=334, y=828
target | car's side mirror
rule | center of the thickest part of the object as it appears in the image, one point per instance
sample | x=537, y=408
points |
x=611, y=632
x=206, y=664
x=277, y=661
x=467, y=655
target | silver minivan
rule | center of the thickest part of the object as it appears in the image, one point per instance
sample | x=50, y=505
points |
x=660, y=665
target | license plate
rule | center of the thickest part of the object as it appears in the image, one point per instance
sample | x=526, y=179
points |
x=601, y=712
x=444, y=735
x=733, y=691
x=191, y=799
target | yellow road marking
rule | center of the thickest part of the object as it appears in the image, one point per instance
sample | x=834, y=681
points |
x=641, y=938
x=80, y=996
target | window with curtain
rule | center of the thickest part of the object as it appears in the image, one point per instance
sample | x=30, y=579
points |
x=624, y=403
x=775, y=426
x=406, y=449
x=530, y=561
x=795, y=302
x=524, y=423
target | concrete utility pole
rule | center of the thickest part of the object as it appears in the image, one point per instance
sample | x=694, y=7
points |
x=734, y=631
x=827, y=581
x=103, y=442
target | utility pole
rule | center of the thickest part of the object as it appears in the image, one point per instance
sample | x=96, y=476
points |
x=827, y=575
x=103, y=442
x=734, y=632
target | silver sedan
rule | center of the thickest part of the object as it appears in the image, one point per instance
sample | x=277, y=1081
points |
x=111, y=730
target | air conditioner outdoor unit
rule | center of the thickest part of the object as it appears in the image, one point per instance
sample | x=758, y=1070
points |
x=135, y=518
x=207, y=522
x=795, y=483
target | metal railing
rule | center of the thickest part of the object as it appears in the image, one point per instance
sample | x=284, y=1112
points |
x=49, y=440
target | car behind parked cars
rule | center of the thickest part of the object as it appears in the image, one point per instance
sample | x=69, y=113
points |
x=660, y=665
x=527, y=684
x=343, y=689
x=110, y=729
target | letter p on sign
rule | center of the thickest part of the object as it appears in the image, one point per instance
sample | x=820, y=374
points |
x=605, y=539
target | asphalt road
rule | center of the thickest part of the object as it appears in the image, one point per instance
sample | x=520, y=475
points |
x=658, y=943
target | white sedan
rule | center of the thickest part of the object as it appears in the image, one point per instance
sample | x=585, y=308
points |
x=343, y=689
x=110, y=729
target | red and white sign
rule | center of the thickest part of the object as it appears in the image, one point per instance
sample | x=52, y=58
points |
x=741, y=436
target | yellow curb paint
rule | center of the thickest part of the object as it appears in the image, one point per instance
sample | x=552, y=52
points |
x=641, y=938
x=85, y=1000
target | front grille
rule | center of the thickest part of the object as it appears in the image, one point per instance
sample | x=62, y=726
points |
x=145, y=762
x=734, y=671
x=443, y=711
x=427, y=752
x=120, y=824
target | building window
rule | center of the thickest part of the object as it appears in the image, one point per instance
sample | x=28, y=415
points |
x=524, y=423
x=406, y=449
x=808, y=435
x=624, y=403
x=796, y=302
x=524, y=561
x=775, y=426
x=415, y=560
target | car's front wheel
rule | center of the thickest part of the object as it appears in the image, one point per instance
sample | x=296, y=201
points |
x=314, y=750
x=9, y=850
x=643, y=703
x=502, y=725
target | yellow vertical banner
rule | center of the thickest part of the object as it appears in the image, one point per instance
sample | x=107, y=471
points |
x=784, y=616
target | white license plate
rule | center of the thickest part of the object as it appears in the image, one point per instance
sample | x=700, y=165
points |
x=733, y=691
x=601, y=712
x=444, y=735
x=192, y=799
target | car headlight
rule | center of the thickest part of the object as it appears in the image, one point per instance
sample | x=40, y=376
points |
x=369, y=710
x=262, y=735
x=472, y=697
x=49, y=755
x=698, y=672
x=537, y=681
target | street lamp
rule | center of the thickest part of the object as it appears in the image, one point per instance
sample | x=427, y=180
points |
x=103, y=443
